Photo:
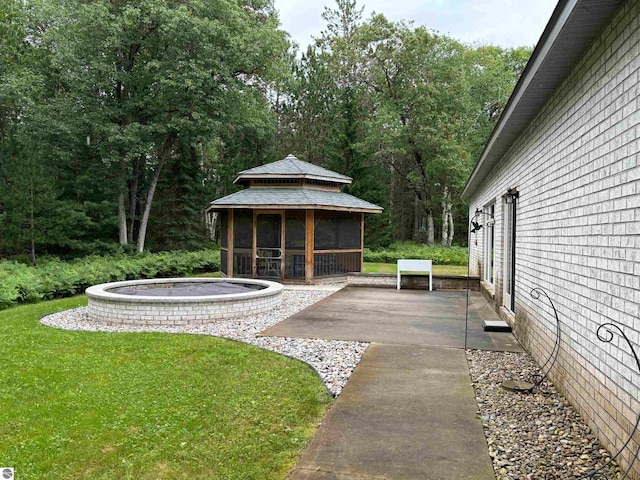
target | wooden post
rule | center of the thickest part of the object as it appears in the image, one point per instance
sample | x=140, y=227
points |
x=362, y=242
x=230, y=271
x=309, y=245
x=254, y=248
x=283, y=219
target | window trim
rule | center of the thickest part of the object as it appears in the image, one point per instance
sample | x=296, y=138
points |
x=509, y=216
x=489, y=245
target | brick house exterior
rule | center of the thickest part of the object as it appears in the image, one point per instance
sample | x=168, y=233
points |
x=568, y=143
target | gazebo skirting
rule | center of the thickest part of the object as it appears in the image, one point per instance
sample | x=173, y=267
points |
x=273, y=243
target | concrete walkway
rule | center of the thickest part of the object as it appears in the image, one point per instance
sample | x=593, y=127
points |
x=408, y=410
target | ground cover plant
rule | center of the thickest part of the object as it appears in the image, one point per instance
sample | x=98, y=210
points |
x=440, y=255
x=53, y=278
x=79, y=405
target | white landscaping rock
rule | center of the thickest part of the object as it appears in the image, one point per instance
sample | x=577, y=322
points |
x=333, y=360
x=536, y=435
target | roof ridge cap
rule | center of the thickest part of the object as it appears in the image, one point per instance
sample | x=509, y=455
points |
x=293, y=160
x=304, y=193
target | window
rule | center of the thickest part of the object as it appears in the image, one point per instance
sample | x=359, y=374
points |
x=489, y=245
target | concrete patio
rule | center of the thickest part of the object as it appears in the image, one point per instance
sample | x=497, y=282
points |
x=399, y=317
x=408, y=410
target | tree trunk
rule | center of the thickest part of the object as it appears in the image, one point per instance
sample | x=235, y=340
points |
x=419, y=223
x=122, y=215
x=163, y=153
x=32, y=225
x=447, y=219
x=133, y=195
x=445, y=224
x=430, y=229
x=142, y=232
x=212, y=219
x=420, y=234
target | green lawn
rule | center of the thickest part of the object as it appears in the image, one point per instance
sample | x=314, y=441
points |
x=437, y=269
x=79, y=405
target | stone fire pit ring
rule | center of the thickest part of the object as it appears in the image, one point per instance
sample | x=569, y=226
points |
x=180, y=301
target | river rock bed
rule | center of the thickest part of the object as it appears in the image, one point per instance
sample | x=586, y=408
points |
x=536, y=435
x=333, y=360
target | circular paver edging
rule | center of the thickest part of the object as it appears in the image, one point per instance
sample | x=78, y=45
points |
x=104, y=305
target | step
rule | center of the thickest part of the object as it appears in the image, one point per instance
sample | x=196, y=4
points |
x=495, y=326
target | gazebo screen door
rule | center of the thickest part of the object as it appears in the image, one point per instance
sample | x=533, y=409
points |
x=269, y=245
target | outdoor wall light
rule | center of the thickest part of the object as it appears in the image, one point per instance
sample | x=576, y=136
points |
x=511, y=196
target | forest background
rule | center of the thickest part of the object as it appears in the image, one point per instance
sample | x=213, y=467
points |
x=121, y=120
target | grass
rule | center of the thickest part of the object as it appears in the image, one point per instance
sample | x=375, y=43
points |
x=78, y=405
x=372, y=267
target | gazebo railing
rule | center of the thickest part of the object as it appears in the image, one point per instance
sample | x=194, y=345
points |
x=242, y=263
x=336, y=263
x=294, y=264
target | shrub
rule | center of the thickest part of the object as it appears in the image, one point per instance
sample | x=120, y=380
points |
x=54, y=278
x=439, y=255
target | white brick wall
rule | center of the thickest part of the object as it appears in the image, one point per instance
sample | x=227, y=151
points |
x=111, y=311
x=577, y=169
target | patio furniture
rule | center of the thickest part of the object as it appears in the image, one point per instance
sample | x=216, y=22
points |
x=415, y=266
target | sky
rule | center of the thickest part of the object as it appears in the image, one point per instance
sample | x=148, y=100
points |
x=508, y=23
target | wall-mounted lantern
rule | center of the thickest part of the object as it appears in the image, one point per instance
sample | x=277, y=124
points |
x=511, y=196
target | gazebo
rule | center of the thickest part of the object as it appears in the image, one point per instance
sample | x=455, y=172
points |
x=291, y=221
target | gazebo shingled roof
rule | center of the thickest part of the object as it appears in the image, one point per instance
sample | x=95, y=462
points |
x=288, y=198
x=300, y=196
x=291, y=167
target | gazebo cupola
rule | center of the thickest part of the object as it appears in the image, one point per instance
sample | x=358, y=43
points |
x=291, y=221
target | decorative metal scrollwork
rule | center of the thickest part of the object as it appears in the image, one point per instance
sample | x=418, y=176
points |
x=542, y=373
x=606, y=333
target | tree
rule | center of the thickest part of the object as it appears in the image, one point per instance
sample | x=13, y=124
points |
x=323, y=117
x=416, y=79
x=34, y=214
x=151, y=77
x=121, y=119
x=436, y=101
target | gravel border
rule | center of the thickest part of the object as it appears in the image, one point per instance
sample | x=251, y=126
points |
x=333, y=360
x=536, y=435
